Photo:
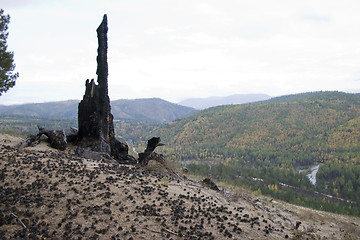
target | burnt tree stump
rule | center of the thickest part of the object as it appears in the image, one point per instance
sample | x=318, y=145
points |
x=149, y=153
x=95, y=121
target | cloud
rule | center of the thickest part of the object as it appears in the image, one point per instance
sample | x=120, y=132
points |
x=182, y=48
x=316, y=18
x=158, y=30
x=10, y=4
x=201, y=38
x=206, y=9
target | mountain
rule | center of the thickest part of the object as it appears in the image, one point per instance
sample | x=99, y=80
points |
x=290, y=121
x=61, y=109
x=295, y=118
x=48, y=194
x=202, y=103
x=271, y=139
x=148, y=110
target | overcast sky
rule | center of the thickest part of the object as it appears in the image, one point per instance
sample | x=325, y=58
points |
x=178, y=49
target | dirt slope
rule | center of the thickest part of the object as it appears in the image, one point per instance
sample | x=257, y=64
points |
x=48, y=194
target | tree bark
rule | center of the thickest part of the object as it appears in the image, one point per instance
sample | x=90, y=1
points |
x=149, y=153
x=58, y=138
x=96, y=127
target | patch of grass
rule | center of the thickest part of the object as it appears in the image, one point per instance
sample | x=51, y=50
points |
x=164, y=181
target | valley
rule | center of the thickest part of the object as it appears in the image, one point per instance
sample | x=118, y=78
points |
x=267, y=140
x=270, y=140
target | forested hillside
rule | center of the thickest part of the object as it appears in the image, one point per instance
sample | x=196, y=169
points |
x=305, y=129
x=272, y=139
x=148, y=110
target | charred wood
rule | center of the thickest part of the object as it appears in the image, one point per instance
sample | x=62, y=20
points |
x=58, y=138
x=149, y=153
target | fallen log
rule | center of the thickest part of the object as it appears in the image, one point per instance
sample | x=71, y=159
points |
x=31, y=140
x=58, y=138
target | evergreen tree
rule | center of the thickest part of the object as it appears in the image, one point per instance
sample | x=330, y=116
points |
x=7, y=65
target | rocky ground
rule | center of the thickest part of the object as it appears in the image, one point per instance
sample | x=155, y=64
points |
x=49, y=194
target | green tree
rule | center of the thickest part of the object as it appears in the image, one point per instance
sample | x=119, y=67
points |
x=349, y=189
x=7, y=65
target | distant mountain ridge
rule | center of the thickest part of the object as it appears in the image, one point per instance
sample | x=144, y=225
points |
x=203, y=103
x=147, y=110
x=61, y=109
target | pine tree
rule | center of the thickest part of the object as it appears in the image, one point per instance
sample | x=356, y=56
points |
x=7, y=65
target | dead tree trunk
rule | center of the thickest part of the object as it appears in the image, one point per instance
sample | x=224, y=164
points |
x=95, y=121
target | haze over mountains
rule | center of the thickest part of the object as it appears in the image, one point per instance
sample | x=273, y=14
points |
x=202, y=103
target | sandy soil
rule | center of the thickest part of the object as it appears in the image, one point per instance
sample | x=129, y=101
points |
x=49, y=194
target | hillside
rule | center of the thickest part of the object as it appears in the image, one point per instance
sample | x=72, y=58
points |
x=60, y=109
x=148, y=110
x=55, y=195
x=272, y=139
x=260, y=146
x=292, y=123
x=202, y=103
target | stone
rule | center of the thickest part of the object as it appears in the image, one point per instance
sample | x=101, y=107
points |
x=210, y=184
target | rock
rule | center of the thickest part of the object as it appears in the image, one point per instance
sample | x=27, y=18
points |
x=210, y=184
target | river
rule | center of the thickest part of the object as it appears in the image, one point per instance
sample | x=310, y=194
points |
x=312, y=174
